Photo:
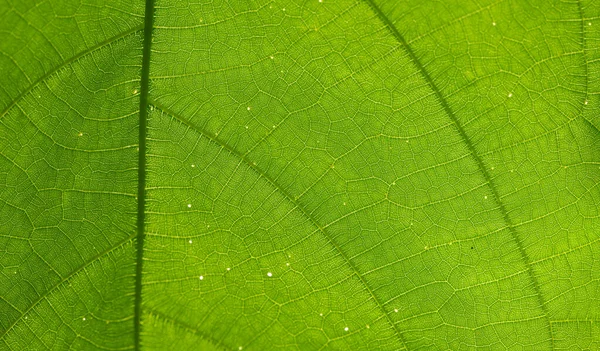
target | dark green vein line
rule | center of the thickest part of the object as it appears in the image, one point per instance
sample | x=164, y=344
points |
x=66, y=279
x=495, y=194
x=141, y=193
x=66, y=63
x=294, y=202
x=186, y=327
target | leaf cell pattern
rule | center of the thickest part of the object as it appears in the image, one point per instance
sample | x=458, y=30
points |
x=299, y=175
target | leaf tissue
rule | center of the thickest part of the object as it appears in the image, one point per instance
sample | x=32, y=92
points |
x=299, y=175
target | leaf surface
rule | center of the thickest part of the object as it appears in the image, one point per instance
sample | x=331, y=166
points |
x=262, y=175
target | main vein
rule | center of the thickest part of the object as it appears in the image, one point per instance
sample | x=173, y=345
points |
x=141, y=210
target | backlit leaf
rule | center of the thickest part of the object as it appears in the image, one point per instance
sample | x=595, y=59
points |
x=299, y=175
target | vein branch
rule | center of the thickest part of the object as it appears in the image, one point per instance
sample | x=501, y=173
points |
x=66, y=63
x=479, y=161
x=272, y=182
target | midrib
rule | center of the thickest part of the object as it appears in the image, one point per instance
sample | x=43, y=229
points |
x=141, y=194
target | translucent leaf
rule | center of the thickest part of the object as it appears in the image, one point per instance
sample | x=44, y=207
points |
x=299, y=175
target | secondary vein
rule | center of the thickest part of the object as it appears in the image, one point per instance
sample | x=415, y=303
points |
x=478, y=160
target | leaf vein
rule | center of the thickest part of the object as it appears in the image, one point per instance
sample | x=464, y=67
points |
x=296, y=204
x=71, y=60
x=66, y=279
x=479, y=161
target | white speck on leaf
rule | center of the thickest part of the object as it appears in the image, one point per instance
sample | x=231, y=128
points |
x=346, y=329
x=189, y=205
x=201, y=277
x=269, y=274
x=509, y=95
x=190, y=241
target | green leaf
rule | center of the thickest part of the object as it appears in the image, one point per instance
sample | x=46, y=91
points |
x=299, y=175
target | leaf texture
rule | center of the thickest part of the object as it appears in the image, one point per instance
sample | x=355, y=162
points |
x=299, y=175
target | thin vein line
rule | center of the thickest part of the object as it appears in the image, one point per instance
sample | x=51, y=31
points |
x=294, y=202
x=187, y=327
x=66, y=279
x=66, y=63
x=495, y=194
x=141, y=193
